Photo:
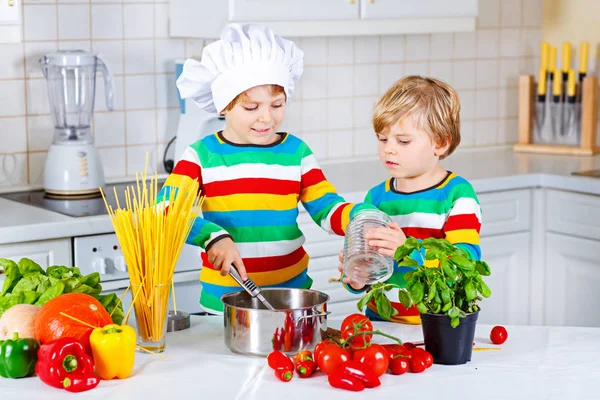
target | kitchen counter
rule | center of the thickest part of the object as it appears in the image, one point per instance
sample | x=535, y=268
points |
x=488, y=171
x=535, y=363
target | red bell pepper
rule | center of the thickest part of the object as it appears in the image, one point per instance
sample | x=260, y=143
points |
x=284, y=374
x=339, y=380
x=360, y=371
x=60, y=359
x=76, y=383
x=305, y=368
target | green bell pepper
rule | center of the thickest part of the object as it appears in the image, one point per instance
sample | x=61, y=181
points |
x=18, y=357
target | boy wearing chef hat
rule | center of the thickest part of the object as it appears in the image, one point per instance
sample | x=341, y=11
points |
x=251, y=175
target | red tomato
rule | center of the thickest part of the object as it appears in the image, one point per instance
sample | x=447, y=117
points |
x=355, y=323
x=375, y=356
x=331, y=357
x=398, y=365
x=498, y=335
x=417, y=363
x=427, y=357
x=409, y=345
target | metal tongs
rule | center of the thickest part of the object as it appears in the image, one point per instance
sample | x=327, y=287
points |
x=250, y=287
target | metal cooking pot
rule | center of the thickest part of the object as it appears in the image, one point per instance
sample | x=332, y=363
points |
x=250, y=328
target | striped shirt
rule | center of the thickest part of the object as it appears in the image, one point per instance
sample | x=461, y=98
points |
x=251, y=195
x=447, y=210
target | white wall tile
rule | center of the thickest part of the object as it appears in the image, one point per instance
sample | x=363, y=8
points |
x=109, y=129
x=40, y=131
x=340, y=113
x=11, y=61
x=417, y=47
x=488, y=43
x=161, y=20
x=532, y=12
x=166, y=125
x=363, y=111
x=510, y=13
x=365, y=143
x=318, y=143
x=140, y=92
x=314, y=115
x=340, y=144
x=36, y=167
x=14, y=170
x=136, y=159
x=467, y=104
x=139, y=56
x=13, y=135
x=107, y=21
x=510, y=42
x=194, y=47
x=508, y=131
x=167, y=51
x=416, y=69
x=486, y=103
x=508, y=72
x=37, y=97
x=315, y=50
x=465, y=45
x=486, y=132
x=489, y=14
x=340, y=81
x=442, y=46
x=314, y=83
x=341, y=50
x=487, y=74
x=166, y=91
x=140, y=127
x=393, y=48
x=388, y=75
x=467, y=134
x=366, y=80
x=508, y=103
x=531, y=39
x=73, y=21
x=292, y=122
x=111, y=51
x=85, y=45
x=366, y=49
x=139, y=20
x=39, y=22
x=463, y=75
x=33, y=52
x=113, y=161
x=529, y=65
x=441, y=70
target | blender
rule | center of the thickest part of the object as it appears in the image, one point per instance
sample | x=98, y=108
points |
x=73, y=166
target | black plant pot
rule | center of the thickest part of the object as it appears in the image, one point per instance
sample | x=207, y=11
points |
x=448, y=345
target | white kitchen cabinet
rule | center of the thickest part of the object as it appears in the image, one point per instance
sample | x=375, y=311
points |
x=572, y=279
x=296, y=10
x=45, y=252
x=297, y=18
x=10, y=21
x=508, y=257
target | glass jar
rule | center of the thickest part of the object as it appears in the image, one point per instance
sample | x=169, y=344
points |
x=361, y=262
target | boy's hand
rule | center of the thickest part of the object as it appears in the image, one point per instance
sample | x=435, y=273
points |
x=355, y=285
x=386, y=239
x=224, y=253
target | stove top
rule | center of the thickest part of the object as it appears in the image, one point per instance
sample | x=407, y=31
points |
x=76, y=207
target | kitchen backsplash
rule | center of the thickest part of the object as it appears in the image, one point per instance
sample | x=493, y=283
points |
x=331, y=109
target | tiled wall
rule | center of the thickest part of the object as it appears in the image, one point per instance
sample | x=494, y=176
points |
x=331, y=109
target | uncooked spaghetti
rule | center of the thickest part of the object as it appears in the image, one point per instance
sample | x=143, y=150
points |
x=151, y=237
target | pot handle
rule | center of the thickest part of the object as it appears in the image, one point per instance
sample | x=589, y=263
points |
x=300, y=318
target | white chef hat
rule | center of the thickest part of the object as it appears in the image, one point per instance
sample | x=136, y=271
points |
x=245, y=56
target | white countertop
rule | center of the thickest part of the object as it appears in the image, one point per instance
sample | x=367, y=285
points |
x=488, y=171
x=534, y=363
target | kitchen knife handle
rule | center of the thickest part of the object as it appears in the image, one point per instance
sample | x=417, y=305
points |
x=552, y=61
x=541, y=89
x=566, y=57
x=556, y=84
x=544, y=56
x=583, y=57
x=571, y=84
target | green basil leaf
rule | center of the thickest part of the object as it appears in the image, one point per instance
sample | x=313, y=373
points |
x=364, y=300
x=404, y=298
x=463, y=263
x=485, y=290
x=422, y=308
x=470, y=292
x=446, y=307
x=417, y=292
x=432, y=292
x=483, y=268
x=408, y=262
x=454, y=322
x=453, y=312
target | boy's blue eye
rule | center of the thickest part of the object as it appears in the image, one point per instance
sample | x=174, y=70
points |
x=403, y=141
x=382, y=139
x=277, y=105
x=251, y=109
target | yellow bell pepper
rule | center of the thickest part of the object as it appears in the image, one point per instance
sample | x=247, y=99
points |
x=113, y=348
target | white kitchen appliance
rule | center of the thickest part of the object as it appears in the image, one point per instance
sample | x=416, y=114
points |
x=73, y=166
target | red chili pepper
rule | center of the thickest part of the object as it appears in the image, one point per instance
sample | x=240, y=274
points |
x=277, y=359
x=341, y=381
x=305, y=368
x=60, y=359
x=302, y=356
x=359, y=371
x=80, y=382
x=277, y=340
x=284, y=374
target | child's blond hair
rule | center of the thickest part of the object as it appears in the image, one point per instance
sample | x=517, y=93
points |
x=433, y=105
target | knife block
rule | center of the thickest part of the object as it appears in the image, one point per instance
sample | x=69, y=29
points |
x=588, y=144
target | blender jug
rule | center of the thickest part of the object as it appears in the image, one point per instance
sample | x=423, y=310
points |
x=73, y=166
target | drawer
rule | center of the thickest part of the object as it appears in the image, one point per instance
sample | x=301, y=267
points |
x=505, y=212
x=573, y=213
x=335, y=290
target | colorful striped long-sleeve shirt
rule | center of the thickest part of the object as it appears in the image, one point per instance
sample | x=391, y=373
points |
x=251, y=195
x=447, y=210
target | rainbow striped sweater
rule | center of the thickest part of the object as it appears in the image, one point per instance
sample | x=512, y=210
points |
x=447, y=210
x=251, y=195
